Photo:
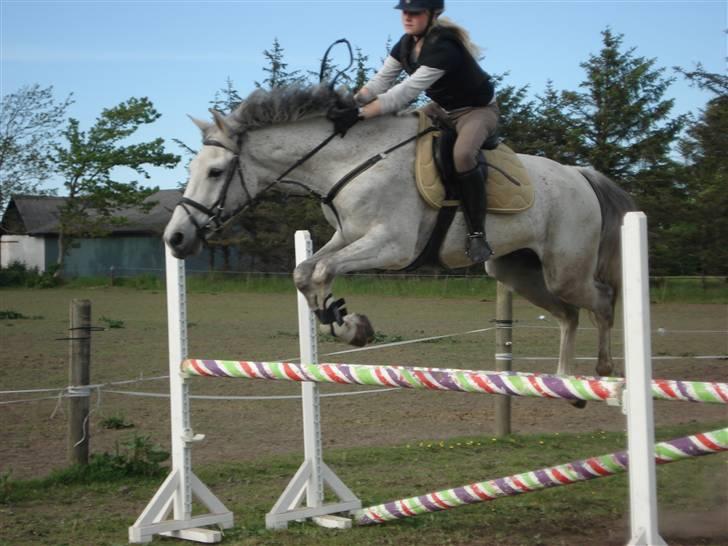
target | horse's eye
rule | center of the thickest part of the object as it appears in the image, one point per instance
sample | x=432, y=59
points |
x=215, y=173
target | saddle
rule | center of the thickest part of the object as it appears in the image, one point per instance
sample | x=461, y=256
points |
x=508, y=188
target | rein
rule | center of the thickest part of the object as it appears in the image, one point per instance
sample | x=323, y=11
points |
x=218, y=220
x=328, y=199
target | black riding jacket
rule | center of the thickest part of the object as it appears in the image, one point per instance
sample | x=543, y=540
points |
x=464, y=83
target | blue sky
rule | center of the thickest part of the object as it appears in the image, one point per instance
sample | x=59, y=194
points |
x=179, y=53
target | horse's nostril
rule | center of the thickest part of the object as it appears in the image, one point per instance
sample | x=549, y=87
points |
x=176, y=239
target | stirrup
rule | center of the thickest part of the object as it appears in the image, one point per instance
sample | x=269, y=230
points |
x=478, y=248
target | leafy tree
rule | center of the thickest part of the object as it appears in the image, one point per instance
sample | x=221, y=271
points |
x=622, y=116
x=87, y=161
x=30, y=120
x=278, y=75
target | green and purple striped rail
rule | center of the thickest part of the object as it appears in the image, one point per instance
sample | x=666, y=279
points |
x=588, y=469
x=505, y=383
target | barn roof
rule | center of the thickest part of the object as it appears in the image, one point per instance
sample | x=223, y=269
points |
x=38, y=215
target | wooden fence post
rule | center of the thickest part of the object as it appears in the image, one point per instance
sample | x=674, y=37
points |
x=79, y=354
x=503, y=355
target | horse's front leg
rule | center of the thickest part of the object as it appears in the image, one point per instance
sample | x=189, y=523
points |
x=568, y=324
x=303, y=274
x=315, y=276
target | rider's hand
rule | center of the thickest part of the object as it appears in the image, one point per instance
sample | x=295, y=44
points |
x=363, y=96
x=343, y=118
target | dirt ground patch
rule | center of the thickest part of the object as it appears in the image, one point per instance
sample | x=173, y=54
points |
x=263, y=327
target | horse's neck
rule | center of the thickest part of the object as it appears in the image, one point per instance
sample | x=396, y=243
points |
x=275, y=149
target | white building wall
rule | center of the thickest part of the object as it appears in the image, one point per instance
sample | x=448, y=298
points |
x=25, y=249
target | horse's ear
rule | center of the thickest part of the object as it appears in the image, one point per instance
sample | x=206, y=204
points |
x=220, y=121
x=201, y=125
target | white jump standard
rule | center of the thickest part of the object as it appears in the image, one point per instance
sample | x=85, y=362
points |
x=313, y=475
x=176, y=493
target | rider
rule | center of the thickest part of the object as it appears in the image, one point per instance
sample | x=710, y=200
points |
x=440, y=60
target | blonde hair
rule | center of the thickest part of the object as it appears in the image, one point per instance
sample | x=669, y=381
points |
x=462, y=34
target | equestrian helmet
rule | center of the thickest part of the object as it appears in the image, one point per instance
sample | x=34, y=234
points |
x=421, y=5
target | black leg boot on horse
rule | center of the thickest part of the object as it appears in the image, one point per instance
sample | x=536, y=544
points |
x=472, y=191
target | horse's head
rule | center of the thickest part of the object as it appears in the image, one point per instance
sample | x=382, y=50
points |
x=219, y=187
x=216, y=189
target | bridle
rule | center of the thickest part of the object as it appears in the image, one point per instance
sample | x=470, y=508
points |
x=217, y=219
x=216, y=212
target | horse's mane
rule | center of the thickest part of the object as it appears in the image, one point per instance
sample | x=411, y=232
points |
x=284, y=105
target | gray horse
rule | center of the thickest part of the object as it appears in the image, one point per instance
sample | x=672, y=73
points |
x=562, y=254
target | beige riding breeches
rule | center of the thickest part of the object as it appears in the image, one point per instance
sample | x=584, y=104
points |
x=474, y=126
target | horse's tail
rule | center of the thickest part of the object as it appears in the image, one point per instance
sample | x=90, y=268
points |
x=614, y=203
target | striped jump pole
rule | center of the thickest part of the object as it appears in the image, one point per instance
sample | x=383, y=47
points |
x=670, y=451
x=440, y=379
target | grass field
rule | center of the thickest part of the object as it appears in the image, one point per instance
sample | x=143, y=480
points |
x=383, y=445
x=663, y=289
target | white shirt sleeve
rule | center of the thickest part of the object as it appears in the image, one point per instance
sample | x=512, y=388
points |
x=386, y=76
x=404, y=92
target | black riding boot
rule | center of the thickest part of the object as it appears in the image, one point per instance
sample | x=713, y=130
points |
x=472, y=189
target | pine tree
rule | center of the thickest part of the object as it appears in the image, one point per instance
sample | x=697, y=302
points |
x=227, y=98
x=362, y=71
x=706, y=177
x=516, y=115
x=553, y=133
x=622, y=115
x=278, y=76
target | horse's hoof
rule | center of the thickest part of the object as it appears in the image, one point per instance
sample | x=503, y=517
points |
x=355, y=330
x=363, y=331
x=580, y=404
x=604, y=369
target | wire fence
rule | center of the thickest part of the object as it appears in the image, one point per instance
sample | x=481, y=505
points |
x=68, y=391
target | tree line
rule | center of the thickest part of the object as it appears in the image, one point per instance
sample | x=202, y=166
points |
x=37, y=142
x=619, y=120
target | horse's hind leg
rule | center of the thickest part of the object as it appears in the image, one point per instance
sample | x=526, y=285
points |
x=522, y=271
x=603, y=316
x=585, y=292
